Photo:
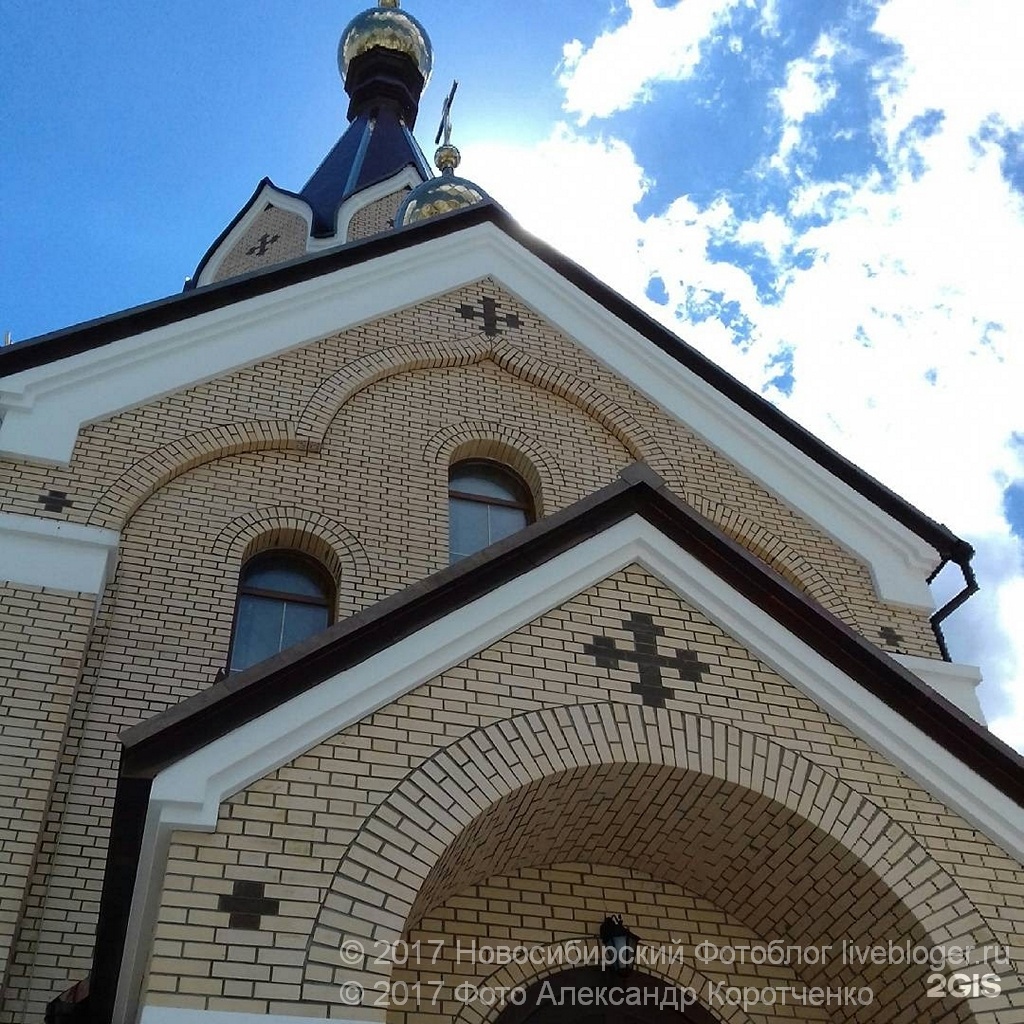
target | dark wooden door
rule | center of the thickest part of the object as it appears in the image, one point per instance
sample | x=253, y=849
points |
x=556, y=1000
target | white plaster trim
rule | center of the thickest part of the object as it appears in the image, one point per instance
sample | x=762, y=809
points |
x=188, y=794
x=957, y=683
x=44, y=407
x=408, y=176
x=268, y=194
x=174, y=1015
x=38, y=552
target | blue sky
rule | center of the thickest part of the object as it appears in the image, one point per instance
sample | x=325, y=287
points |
x=827, y=198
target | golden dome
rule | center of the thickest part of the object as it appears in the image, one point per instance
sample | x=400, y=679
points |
x=440, y=195
x=390, y=28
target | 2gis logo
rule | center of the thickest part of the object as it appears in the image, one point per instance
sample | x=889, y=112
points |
x=964, y=986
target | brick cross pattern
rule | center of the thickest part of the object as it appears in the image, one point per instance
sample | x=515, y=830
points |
x=490, y=316
x=890, y=637
x=55, y=501
x=247, y=905
x=651, y=688
x=264, y=244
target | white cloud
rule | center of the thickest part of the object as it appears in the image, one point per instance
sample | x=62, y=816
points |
x=597, y=178
x=810, y=86
x=907, y=330
x=961, y=56
x=656, y=44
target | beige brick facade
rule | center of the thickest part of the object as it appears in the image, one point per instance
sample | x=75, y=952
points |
x=43, y=638
x=376, y=217
x=275, y=236
x=341, y=448
x=506, y=801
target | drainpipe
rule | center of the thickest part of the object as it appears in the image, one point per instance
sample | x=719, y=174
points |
x=960, y=556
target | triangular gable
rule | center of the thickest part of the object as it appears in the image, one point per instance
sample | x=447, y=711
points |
x=59, y=383
x=179, y=767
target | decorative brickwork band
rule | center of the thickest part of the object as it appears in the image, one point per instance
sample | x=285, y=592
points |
x=151, y=473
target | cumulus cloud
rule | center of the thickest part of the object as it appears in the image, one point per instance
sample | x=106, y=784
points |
x=810, y=87
x=656, y=44
x=895, y=292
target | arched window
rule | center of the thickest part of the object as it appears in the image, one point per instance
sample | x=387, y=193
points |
x=283, y=597
x=486, y=502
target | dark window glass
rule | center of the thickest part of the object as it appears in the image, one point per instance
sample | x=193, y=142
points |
x=486, y=503
x=283, y=597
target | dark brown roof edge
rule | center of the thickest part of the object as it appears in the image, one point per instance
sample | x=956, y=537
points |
x=159, y=742
x=153, y=745
x=96, y=333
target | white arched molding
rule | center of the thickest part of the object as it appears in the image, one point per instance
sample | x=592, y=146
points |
x=408, y=177
x=268, y=195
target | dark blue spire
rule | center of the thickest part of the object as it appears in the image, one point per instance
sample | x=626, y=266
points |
x=376, y=146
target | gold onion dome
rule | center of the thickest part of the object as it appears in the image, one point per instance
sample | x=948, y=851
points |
x=390, y=28
x=440, y=195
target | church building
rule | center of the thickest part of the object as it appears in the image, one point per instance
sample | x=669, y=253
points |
x=399, y=626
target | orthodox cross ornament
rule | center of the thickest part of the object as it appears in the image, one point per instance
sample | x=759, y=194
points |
x=650, y=688
x=247, y=905
x=55, y=501
x=890, y=637
x=490, y=316
x=264, y=244
x=444, y=130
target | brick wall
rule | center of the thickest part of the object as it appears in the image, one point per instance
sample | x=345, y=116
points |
x=43, y=637
x=773, y=819
x=342, y=445
x=376, y=217
x=275, y=236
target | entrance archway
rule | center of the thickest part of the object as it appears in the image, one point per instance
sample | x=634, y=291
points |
x=768, y=841
x=570, y=996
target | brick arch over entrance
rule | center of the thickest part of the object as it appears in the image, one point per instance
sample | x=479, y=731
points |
x=740, y=820
x=145, y=477
x=352, y=378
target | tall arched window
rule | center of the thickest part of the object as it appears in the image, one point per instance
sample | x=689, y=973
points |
x=486, y=502
x=283, y=597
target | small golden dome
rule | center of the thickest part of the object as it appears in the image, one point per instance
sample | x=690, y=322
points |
x=437, y=196
x=390, y=28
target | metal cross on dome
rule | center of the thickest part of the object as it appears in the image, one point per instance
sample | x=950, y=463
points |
x=445, y=128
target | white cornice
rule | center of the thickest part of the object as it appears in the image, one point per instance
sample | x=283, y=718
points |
x=38, y=552
x=188, y=794
x=268, y=195
x=957, y=683
x=44, y=407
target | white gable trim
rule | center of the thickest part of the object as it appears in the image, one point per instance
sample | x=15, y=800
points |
x=957, y=683
x=44, y=407
x=408, y=177
x=37, y=552
x=188, y=794
x=268, y=195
